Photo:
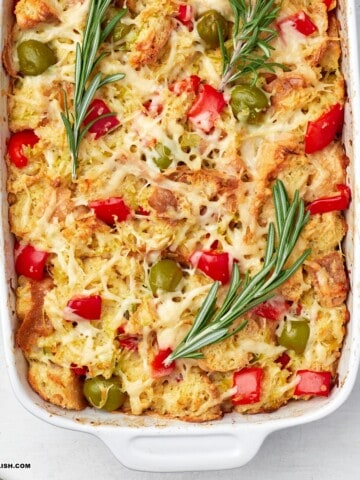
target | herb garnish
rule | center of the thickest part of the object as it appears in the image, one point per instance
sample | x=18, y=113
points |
x=251, y=40
x=213, y=325
x=85, y=64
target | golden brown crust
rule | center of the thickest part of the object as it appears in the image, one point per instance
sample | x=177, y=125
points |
x=7, y=58
x=323, y=233
x=162, y=199
x=64, y=204
x=331, y=54
x=227, y=355
x=329, y=279
x=148, y=48
x=30, y=13
x=34, y=322
x=57, y=385
x=287, y=84
x=213, y=183
x=294, y=288
x=193, y=399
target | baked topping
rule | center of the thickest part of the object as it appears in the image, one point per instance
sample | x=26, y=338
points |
x=129, y=204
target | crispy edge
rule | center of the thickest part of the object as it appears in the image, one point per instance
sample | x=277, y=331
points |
x=56, y=385
x=30, y=13
x=33, y=321
x=329, y=279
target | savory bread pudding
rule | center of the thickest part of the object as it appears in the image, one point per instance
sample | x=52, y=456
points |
x=176, y=186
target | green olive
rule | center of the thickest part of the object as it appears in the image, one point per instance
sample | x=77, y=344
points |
x=35, y=57
x=249, y=101
x=103, y=393
x=121, y=29
x=163, y=159
x=165, y=275
x=295, y=335
x=207, y=28
x=189, y=140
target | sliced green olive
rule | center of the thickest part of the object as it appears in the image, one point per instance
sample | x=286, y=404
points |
x=207, y=28
x=163, y=159
x=121, y=29
x=189, y=140
x=165, y=275
x=249, y=102
x=295, y=335
x=105, y=394
x=35, y=57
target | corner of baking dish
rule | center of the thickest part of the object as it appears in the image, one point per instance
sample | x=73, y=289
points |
x=140, y=442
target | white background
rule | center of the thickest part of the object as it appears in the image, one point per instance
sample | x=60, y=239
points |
x=325, y=450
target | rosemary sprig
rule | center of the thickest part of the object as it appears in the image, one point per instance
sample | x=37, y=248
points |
x=86, y=61
x=251, y=40
x=213, y=325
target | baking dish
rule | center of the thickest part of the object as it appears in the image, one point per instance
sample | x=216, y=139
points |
x=160, y=445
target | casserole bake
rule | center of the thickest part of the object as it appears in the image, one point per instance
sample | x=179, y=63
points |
x=232, y=452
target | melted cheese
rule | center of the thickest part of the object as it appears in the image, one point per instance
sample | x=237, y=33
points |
x=220, y=186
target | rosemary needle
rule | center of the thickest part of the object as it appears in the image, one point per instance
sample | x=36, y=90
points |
x=251, y=39
x=86, y=61
x=213, y=324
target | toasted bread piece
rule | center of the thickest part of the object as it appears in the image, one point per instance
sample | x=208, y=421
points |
x=30, y=312
x=228, y=355
x=156, y=27
x=193, y=398
x=30, y=13
x=329, y=279
x=57, y=385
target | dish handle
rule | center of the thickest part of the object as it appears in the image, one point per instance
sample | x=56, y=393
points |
x=159, y=451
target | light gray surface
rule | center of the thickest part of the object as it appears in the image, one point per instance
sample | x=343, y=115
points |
x=325, y=450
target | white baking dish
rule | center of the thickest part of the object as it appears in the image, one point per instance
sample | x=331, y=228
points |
x=152, y=444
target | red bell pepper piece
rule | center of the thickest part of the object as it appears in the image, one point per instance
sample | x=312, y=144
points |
x=30, y=262
x=80, y=371
x=17, y=142
x=298, y=308
x=284, y=359
x=272, y=309
x=185, y=15
x=331, y=204
x=88, y=308
x=313, y=383
x=158, y=369
x=104, y=125
x=301, y=22
x=248, y=385
x=153, y=107
x=141, y=211
x=189, y=84
x=321, y=132
x=111, y=210
x=214, y=245
x=129, y=342
x=327, y=4
x=206, y=108
x=216, y=265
